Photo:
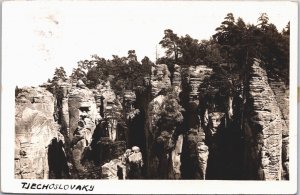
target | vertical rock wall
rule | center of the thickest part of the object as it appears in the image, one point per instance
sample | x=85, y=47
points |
x=281, y=92
x=159, y=79
x=35, y=129
x=263, y=127
x=62, y=106
x=82, y=106
x=195, y=151
x=82, y=116
x=95, y=126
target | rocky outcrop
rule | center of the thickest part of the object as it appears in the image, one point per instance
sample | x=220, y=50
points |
x=263, y=126
x=196, y=155
x=82, y=113
x=115, y=169
x=82, y=108
x=197, y=75
x=135, y=162
x=281, y=92
x=160, y=79
x=112, y=108
x=175, y=173
x=177, y=79
x=35, y=130
x=62, y=107
x=192, y=123
x=194, y=160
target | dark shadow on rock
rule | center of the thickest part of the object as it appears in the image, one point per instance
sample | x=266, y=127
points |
x=57, y=161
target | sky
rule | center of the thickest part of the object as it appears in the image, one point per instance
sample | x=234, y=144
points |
x=40, y=36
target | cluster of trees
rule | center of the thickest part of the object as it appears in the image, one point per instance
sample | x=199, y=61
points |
x=240, y=42
x=124, y=73
x=186, y=50
x=234, y=42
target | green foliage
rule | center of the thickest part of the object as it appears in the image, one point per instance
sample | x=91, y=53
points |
x=234, y=43
x=77, y=74
x=179, y=50
x=59, y=74
x=171, y=43
x=168, y=114
x=263, y=21
x=210, y=53
x=189, y=49
x=124, y=73
x=240, y=42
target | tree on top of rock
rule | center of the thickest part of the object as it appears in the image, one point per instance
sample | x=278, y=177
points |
x=77, y=74
x=189, y=49
x=227, y=36
x=171, y=43
x=170, y=113
x=59, y=74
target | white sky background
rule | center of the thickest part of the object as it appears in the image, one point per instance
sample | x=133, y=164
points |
x=39, y=36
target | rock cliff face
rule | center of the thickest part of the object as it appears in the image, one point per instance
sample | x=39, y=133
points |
x=35, y=130
x=195, y=151
x=82, y=117
x=281, y=92
x=190, y=123
x=263, y=127
x=159, y=82
x=160, y=79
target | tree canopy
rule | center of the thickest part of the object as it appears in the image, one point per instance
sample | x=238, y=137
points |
x=234, y=42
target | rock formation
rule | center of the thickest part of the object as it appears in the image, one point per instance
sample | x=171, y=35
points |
x=190, y=123
x=160, y=79
x=263, y=128
x=35, y=130
x=281, y=92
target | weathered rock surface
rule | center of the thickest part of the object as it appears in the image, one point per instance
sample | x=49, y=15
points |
x=35, y=129
x=197, y=75
x=281, y=92
x=82, y=107
x=61, y=92
x=263, y=128
x=176, y=159
x=218, y=132
x=177, y=79
x=160, y=78
x=110, y=169
x=82, y=117
x=112, y=108
x=196, y=155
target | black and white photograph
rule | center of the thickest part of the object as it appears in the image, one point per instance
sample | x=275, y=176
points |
x=181, y=93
